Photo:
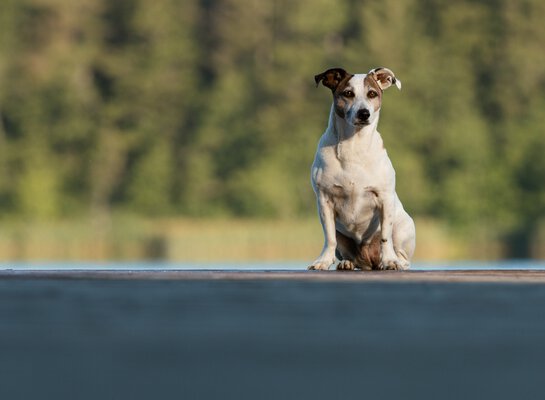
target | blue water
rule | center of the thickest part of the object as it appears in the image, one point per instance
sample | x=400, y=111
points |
x=280, y=265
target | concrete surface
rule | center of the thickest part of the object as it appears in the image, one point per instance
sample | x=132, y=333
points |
x=272, y=335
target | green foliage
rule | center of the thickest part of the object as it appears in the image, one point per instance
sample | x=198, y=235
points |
x=208, y=108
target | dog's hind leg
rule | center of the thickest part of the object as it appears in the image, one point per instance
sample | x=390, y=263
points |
x=346, y=252
x=350, y=256
x=370, y=253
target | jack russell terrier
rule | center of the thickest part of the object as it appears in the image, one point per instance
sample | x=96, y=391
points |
x=364, y=223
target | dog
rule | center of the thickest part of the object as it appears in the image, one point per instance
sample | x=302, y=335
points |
x=364, y=223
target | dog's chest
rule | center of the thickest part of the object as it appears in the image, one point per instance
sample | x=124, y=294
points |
x=351, y=186
x=353, y=181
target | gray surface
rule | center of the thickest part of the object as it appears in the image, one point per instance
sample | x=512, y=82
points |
x=274, y=338
x=459, y=275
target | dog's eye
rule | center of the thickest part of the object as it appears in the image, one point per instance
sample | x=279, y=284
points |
x=348, y=93
x=372, y=94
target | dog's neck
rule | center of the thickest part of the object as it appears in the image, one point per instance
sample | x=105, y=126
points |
x=352, y=141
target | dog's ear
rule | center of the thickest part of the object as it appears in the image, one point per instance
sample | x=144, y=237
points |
x=385, y=78
x=332, y=78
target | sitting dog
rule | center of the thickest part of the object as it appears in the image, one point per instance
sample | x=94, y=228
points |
x=364, y=223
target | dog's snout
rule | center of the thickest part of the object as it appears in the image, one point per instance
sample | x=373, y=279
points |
x=363, y=114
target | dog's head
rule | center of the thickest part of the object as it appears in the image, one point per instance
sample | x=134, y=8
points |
x=357, y=98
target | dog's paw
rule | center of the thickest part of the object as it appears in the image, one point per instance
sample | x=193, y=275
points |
x=346, y=265
x=319, y=266
x=365, y=267
x=405, y=265
x=393, y=264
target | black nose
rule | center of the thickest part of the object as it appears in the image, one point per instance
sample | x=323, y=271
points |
x=363, y=114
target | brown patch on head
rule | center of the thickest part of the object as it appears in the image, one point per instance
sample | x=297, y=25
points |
x=373, y=91
x=337, y=80
x=340, y=101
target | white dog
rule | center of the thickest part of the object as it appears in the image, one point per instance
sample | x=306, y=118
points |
x=364, y=222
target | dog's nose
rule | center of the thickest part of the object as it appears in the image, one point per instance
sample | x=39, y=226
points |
x=363, y=114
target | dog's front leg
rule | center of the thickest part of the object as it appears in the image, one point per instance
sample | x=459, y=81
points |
x=327, y=218
x=389, y=259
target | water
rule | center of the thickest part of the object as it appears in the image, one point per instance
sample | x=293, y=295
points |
x=260, y=265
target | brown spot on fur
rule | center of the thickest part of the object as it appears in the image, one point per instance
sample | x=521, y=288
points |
x=365, y=256
x=342, y=85
x=339, y=104
x=370, y=252
x=369, y=83
x=337, y=80
x=339, y=101
x=346, y=247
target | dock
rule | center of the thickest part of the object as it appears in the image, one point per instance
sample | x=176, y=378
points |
x=258, y=334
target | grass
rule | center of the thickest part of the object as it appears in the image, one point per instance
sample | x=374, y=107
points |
x=206, y=240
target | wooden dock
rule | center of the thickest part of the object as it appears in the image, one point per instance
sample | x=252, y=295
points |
x=462, y=275
x=240, y=334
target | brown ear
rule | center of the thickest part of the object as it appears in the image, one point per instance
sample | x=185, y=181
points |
x=332, y=78
x=385, y=78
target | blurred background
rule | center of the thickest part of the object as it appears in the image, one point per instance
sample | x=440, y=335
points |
x=184, y=130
